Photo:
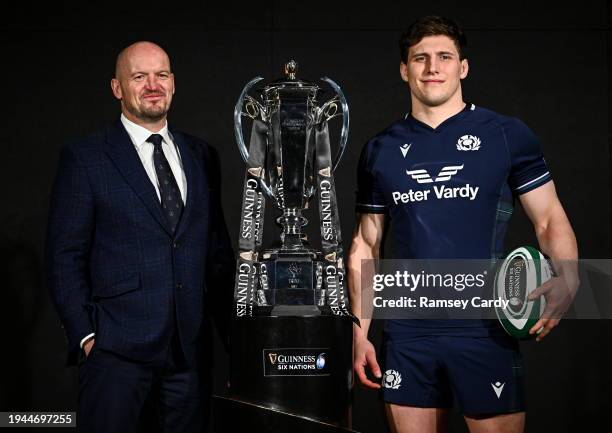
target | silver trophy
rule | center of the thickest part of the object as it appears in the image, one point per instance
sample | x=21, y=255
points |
x=290, y=304
x=289, y=162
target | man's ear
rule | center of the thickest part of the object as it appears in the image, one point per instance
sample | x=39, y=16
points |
x=404, y=71
x=465, y=67
x=116, y=87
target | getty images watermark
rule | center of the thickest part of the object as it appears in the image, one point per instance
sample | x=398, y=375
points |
x=479, y=289
x=407, y=281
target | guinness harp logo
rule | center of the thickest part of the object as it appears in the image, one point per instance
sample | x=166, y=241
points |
x=272, y=357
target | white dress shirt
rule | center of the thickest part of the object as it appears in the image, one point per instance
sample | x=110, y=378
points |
x=139, y=136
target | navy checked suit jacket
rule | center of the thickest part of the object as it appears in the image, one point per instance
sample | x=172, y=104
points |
x=114, y=267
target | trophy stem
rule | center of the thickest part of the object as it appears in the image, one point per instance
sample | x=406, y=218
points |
x=291, y=222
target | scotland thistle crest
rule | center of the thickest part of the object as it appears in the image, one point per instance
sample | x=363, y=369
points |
x=468, y=142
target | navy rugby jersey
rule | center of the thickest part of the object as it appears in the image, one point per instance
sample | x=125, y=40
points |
x=449, y=190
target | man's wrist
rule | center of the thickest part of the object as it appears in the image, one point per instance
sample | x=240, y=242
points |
x=568, y=271
x=359, y=334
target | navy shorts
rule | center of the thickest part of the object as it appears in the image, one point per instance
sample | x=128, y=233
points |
x=484, y=374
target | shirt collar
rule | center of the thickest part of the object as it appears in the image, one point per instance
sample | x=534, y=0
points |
x=468, y=107
x=139, y=134
x=421, y=125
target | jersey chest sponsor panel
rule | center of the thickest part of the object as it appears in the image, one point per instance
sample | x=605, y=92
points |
x=443, y=193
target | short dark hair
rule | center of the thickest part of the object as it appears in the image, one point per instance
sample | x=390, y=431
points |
x=432, y=25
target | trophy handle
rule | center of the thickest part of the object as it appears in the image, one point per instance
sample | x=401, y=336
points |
x=345, y=120
x=253, y=110
x=238, y=116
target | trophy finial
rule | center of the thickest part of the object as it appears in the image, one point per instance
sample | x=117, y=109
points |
x=291, y=68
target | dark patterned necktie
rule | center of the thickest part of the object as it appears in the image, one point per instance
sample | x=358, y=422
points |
x=171, y=201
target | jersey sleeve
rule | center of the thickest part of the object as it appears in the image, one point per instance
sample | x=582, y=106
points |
x=528, y=169
x=370, y=198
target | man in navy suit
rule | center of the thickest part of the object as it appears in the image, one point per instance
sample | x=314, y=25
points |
x=137, y=255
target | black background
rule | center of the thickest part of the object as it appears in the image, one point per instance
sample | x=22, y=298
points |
x=544, y=62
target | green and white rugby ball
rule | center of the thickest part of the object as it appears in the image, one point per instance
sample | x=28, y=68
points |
x=519, y=274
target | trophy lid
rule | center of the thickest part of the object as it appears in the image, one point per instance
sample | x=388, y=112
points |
x=290, y=80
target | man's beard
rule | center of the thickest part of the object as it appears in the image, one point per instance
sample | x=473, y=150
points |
x=152, y=113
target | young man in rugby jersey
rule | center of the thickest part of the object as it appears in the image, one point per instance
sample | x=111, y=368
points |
x=447, y=176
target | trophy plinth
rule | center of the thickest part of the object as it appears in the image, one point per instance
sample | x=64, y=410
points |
x=292, y=330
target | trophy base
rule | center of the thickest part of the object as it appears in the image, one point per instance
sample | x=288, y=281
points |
x=291, y=278
x=301, y=366
x=291, y=310
x=295, y=310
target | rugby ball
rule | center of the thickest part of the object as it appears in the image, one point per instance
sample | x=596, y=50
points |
x=519, y=274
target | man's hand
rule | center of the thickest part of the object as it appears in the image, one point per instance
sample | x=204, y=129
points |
x=88, y=346
x=364, y=356
x=556, y=240
x=559, y=294
x=366, y=243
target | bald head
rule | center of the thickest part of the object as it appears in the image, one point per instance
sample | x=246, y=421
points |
x=144, y=84
x=135, y=51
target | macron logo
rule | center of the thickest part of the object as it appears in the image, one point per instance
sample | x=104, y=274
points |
x=498, y=388
x=405, y=148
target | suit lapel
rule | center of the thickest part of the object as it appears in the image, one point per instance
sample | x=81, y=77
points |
x=122, y=152
x=192, y=174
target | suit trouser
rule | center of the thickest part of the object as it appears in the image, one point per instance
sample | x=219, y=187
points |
x=113, y=391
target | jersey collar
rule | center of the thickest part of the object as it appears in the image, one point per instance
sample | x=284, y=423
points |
x=466, y=111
